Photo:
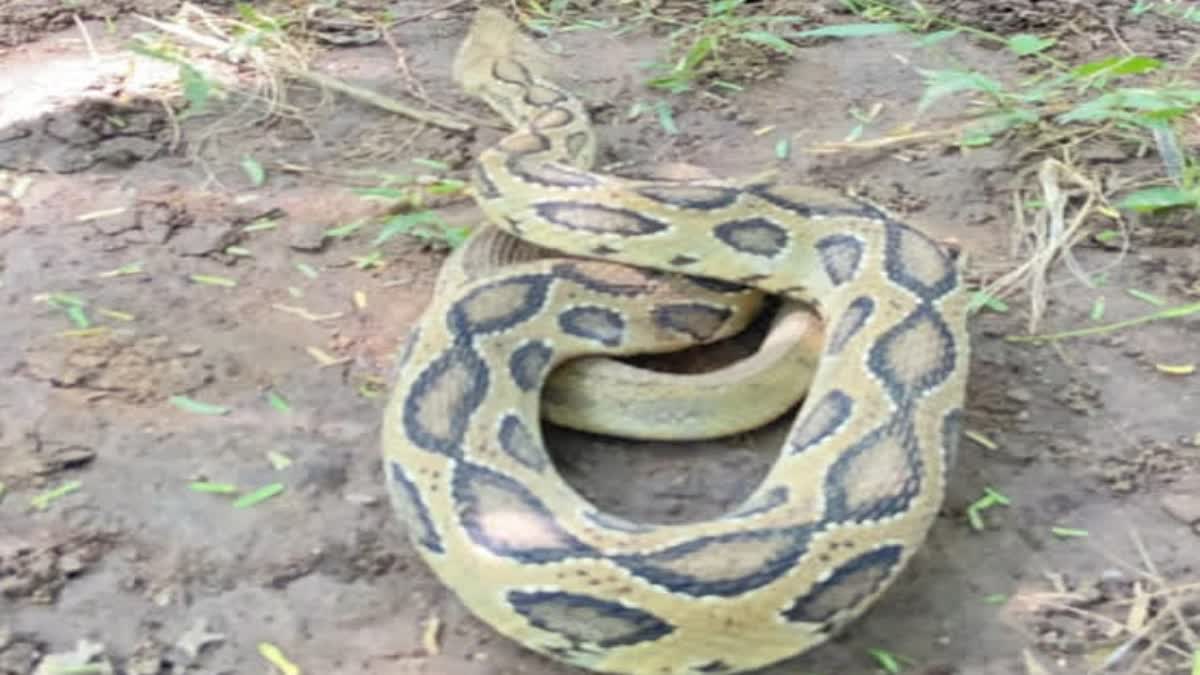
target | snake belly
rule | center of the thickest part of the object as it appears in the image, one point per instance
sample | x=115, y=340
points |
x=857, y=483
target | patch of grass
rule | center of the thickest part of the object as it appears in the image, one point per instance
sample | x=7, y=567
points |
x=209, y=487
x=189, y=404
x=278, y=402
x=258, y=496
x=1052, y=106
x=254, y=170
x=249, y=59
x=213, y=280
x=889, y=662
x=42, y=501
x=1142, y=625
x=551, y=16
x=408, y=199
x=1129, y=92
x=73, y=306
x=1177, y=312
x=991, y=498
x=699, y=49
x=1068, y=532
x=1184, y=192
x=197, y=88
x=1127, y=96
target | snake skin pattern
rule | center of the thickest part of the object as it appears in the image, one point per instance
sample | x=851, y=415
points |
x=601, y=395
x=856, y=485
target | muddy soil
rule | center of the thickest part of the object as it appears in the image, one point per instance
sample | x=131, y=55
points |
x=110, y=200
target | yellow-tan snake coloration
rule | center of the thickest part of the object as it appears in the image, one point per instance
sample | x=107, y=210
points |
x=602, y=395
x=859, y=479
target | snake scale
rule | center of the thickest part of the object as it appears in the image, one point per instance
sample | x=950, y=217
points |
x=654, y=266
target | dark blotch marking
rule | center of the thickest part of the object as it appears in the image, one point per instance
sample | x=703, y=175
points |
x=510, y=71
x=701, y=567
x=928, y=364
x=553, y=118
x=871, y=480
x=605, y=250
x=694, y=319
x=717, y=285
x=599, y=219
x=540, y=95
x=585, y=620
x=841, y=255
x=554, y=175
x=767, y=501
x=570, y=655
x=791, y=290
x=484, y=184
x=527, y=364
x=518, y=443
x=952, y=425
x=907, y=249
x=861, y=209
x=765, y=192
x=571, y=272
x=413, y=510
x=702, y=197
x=853, y=319
x=530, y=142
x=598, y=324
x=576, y=142
x=683, y=260
x=821, y=420
x=406, y=350
x=500, y=305
x=453, y=385
x=514, y=226
x=846, y=588
x=717, y=666
x=755, y=236
x=482, y=494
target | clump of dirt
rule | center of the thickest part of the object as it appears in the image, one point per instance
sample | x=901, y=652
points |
x=18, y=654
x=98, y=133
x=35, y=565
x=134, y=369
x=1154, y=467
x=22, y=21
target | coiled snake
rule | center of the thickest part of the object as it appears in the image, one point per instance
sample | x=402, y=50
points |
x=857, y=483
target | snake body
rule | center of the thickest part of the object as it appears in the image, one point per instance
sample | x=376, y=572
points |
x=601, y=395
x=857, y=483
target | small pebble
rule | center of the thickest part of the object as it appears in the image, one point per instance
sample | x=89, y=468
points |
x=1182, y=507
x=1020, y=395
x=189, y=349
x=309, y=237
x=71, y=564
x=362, y=500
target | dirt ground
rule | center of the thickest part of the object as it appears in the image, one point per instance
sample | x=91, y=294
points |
x=156, y=577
